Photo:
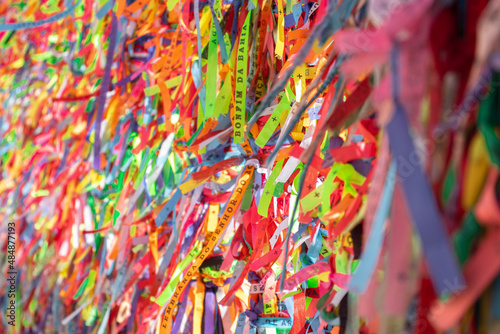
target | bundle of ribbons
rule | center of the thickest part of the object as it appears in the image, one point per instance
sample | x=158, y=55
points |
x=250, y=166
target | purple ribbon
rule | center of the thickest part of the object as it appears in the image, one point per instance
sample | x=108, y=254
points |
x=210, y=304
x=442, y=263
x=182, y=309
x=475, y=95
x=104, y=89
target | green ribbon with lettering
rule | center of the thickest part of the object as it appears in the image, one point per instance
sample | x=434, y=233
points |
x=241, y=83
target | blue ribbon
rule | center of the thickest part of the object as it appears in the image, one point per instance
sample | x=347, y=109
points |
x=371, y=254
x=35, y=24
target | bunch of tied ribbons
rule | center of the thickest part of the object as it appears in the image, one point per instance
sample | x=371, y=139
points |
x=251, y=166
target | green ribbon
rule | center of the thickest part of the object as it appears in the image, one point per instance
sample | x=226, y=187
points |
x=489, y=119
x=273, y=121
x=241, y=83
x=267, y=193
